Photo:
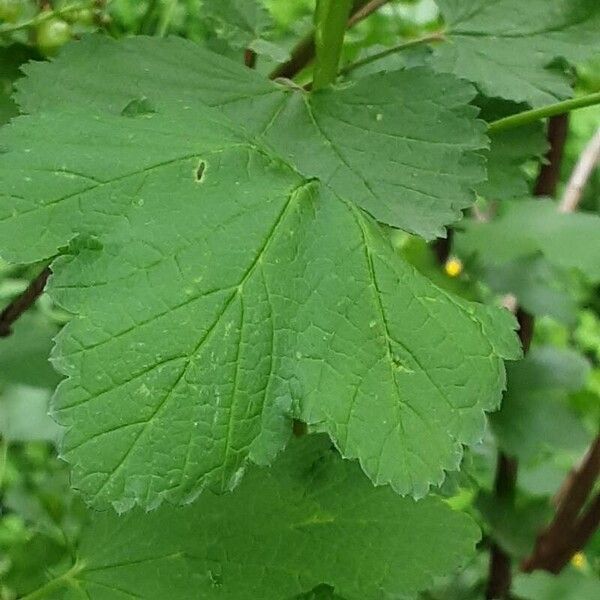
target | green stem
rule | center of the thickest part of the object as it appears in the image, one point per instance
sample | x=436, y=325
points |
x=65, y=580
x=3, y=460
x=432, y=37
x=535, y=114
x=166, y=18
x=45, y=15
x=331, y=19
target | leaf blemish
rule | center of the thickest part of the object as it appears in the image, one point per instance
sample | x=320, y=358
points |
x=200, y=172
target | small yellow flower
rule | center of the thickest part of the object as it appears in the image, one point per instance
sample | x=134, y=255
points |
x=453, y=267
x=579, y=561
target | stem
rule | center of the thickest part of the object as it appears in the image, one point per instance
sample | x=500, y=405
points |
x=45, y=15
x=535, y=114
x=364, y=11
x=166, y=18
x=500, y=576
x=18, y=306
x=3, y=459
x=581, y=174
x=549, y=176
x=432, y=37
x=331, y=18
x=304, y=51
x=567, y=533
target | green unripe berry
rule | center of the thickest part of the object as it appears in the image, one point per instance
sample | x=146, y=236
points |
x=51, y=35
x=10, y=10
x=83, y=16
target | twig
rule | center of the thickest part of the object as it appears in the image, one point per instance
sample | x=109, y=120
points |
x=536, y=114
x=583, y=170
x=364, y=11
x=499, y=581
x=549, y=176
x=304, y=51
x=18, y=306
x=46, y=14
x=432, y=37
x=568, y=532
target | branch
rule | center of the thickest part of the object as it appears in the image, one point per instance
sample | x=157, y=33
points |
x=568, y=533
x=19, y=305
x=432, y=37
x=549, y=175
x=583, y=170
x=500, y=576
x=364, y=11
x=304, y=52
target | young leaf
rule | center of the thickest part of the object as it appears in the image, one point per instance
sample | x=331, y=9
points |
x=312, y=518
x=236, y=279
x=510, y=48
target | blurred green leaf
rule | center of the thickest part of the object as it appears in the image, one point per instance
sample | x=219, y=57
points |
x=527, y=227
x=24, y=415
x=569, y=585
x=535, y=417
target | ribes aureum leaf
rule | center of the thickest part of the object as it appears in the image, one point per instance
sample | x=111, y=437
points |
x=512, y=49
x=239, y=283
x=404, y=146
x=317, y=521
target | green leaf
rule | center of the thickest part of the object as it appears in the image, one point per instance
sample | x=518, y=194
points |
x=24, y=354
x=243, y=24
x=24, y=415
x=321, y=592
x=540, y=287
x=510, y=151
x=236, y=288
x=11, y=58
x=427, y=150
x=514, y=524
x=568, y=585
x=511, y=49
x=535, y=416
x=238, y=21
x=528, y=227
x=310, y=519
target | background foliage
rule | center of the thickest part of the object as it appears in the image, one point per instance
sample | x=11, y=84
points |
x=551, y=265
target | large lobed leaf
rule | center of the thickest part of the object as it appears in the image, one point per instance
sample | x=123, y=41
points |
x=316, y=519
x=225, y=277
x=512, y=49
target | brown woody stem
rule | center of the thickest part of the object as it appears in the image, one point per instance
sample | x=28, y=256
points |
x=19, y=305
